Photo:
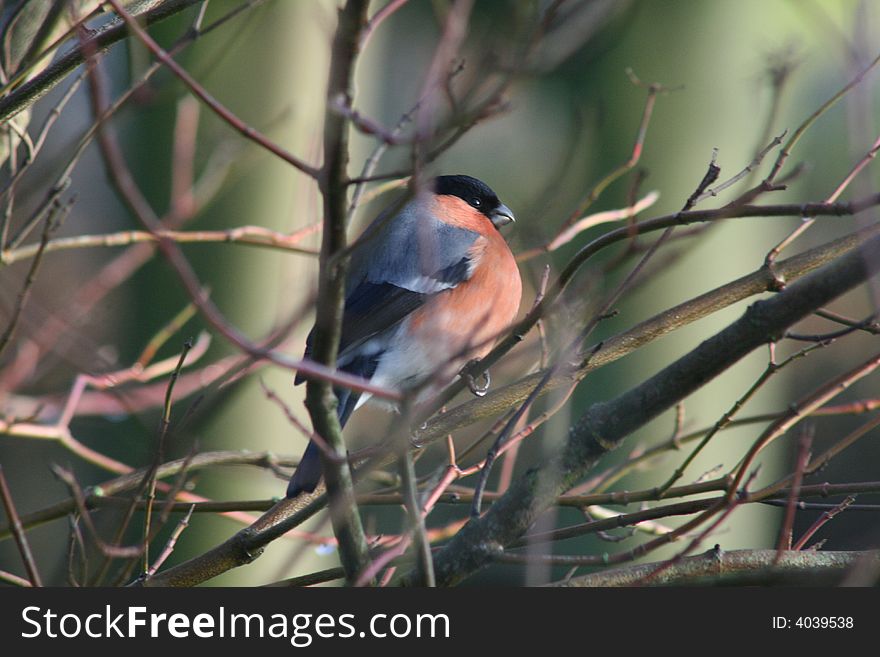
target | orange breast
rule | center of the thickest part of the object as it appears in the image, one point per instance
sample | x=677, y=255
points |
x=464, y=322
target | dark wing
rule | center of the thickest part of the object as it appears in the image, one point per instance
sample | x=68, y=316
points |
x=374, y=307
x=397, y=266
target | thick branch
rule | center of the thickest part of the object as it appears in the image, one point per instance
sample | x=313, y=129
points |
x=243, y=547
x=626, y=232
x=758, y=567
x=606, y=424
x=320, y=398
x=622, y=344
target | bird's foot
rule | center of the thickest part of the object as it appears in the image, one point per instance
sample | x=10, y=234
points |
x=479, y=386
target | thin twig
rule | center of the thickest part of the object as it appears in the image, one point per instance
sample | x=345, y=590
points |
x=772, y=369
x=821, y=520
x=21, y=541
x=56, y=215
x=556, y=288
x=799, y=410
x=169, y=546
x=801, y=461
x=28, y=93
x=164, y=425
x=803, y=127
x=247, y=131
x=424, y=560
x=752, y=166
x=654, y=90
x=246, y=235
x=53, y=116
x=377, y=19
x=793, y=140
x=79, y=498
x=577, y=227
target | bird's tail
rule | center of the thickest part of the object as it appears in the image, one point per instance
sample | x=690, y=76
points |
x=309, y=471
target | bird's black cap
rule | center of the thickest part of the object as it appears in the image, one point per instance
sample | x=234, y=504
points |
x=477, y=194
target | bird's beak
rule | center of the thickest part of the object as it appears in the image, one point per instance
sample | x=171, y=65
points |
x=501, y=216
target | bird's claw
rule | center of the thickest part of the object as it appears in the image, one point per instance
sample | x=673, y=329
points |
x=481, y=385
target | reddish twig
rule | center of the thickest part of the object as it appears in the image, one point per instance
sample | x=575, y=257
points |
x=150, y=478
x=186, y=123
x=310, y=435
x=786, y=150
x=21, y=541
x=169, y=546
x=798, y=411
x=726, y=507
x=654, y=90
x=806, y=223
x=803, y=127
x=377, y=19
x=821, y=520
x=772, y=369
x=801, y=461
x=78, y=496
x=220, y=110
x=56, y=215
x=247, y=235
x=572, y=230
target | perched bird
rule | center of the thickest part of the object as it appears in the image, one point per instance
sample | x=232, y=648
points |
x=428, y=290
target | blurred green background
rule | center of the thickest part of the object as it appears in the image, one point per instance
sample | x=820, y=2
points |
x=569, y=122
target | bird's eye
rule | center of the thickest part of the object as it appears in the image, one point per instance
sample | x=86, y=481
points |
x=476, y=202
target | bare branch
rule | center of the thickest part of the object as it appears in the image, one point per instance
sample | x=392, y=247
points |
x=320, y=397
x=34, y=89
x=18, y=531
x=737, y=566
x=604, y=425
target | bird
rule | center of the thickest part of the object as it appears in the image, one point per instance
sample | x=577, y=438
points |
x=429, y=288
